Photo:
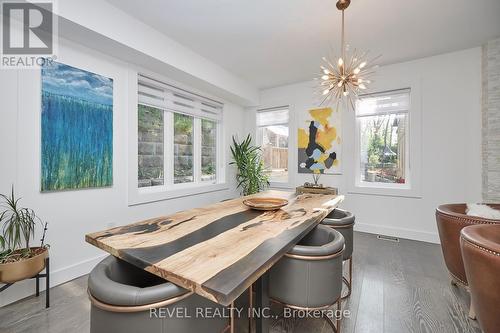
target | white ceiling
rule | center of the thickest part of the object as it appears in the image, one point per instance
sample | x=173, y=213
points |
x=275, y=42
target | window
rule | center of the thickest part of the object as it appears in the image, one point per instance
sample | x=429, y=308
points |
x=151, y=160
x=272, y=136
x=208, y=149
x=183, y=148
x=382, y=126
x=178, y=137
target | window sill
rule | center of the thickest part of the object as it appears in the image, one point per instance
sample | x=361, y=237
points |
x=389, y=191
x=145, y=195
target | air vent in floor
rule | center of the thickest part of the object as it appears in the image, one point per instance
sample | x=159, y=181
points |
x=388, y=238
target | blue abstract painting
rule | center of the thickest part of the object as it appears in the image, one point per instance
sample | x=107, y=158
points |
x=77, y=129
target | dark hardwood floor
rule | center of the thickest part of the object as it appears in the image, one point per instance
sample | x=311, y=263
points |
x=397, y=287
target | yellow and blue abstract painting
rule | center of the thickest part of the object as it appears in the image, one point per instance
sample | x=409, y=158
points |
x=319, y=143
x=77, y=129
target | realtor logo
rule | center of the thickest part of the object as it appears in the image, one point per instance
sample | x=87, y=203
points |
x=28, y=34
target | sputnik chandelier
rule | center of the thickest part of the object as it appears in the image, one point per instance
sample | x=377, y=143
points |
x=347, y=77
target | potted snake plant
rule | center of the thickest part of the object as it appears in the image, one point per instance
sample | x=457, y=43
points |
x=18, y=259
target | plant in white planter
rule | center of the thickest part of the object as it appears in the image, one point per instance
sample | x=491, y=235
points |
x=18, y=260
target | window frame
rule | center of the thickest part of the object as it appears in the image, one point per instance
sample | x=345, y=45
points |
x=388, y=80
x=357, y=157
x=276, y=184
x=169, y=190
x=218, y=128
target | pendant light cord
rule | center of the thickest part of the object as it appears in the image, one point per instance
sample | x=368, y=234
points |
x=342, y=45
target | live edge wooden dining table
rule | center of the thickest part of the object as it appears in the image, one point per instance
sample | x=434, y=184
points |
x=220, y=250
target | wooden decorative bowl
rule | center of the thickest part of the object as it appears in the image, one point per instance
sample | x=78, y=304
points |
x=265, y=203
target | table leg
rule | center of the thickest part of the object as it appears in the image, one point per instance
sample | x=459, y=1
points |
x=250, y=308
x=262, y=304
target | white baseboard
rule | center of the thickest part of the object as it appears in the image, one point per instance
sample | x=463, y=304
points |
x=26, y=288
x=422, y=236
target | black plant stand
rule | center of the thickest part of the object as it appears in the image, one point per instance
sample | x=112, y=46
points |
x=45, y=275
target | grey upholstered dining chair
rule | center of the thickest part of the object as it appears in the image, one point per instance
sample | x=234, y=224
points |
x=122, y=295
x=343, y=221
x=309, y=276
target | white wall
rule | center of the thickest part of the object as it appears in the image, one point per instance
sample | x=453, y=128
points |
x=449, y=86
x=72, y=214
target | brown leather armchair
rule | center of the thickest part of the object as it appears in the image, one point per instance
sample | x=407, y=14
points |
x=451, y=219
x=480, y=246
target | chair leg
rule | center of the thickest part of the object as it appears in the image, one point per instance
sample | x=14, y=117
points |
x=230, y=326
x=331, y=323
x=338, y=320
x=232, y=329
x=457, y=284
x=334, y=324
x=348, y=281
x=472, y=312
x=339, y=317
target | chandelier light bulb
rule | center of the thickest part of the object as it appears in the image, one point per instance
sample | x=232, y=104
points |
x=325, y=77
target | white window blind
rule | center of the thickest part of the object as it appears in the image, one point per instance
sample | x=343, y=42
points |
x=164, y=96
x=274, y=116
x=388, y=102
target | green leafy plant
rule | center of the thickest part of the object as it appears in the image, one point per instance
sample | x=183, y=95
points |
x=251, y=176
x=183, y=123
x=3, y=252
x=17, y=229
